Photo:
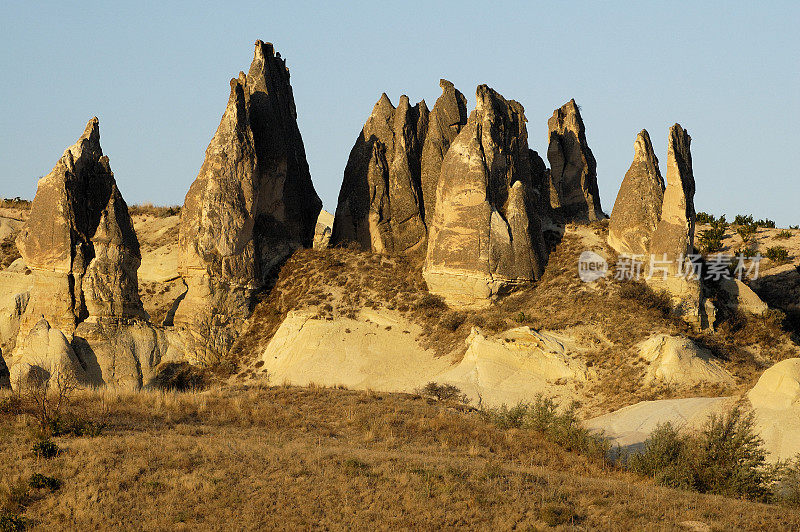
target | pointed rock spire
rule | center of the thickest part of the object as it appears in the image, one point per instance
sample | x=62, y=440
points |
x=380, y=202
x=674, y=235
x=637, y=209
x=573, y=175
x=80, y=243
x=253, y=202
x=448, y=117
x=673, y=239
x=486, y=237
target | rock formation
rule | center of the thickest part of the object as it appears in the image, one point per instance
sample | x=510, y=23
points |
x=45, y=353
x=448, y=117
x=679, y=361
x=80, y=243
x=540, y=183
x=5, y=376
x=486, y=237
x=322, y=231
x=388, y=194
x=637, y=209
x=573, y=175
x=380, y=203
x=673, y=240
x=252, y=203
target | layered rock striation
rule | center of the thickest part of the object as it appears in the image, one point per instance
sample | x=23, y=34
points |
x=486, y=236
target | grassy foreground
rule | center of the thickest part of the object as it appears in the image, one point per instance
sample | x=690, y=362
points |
x=285, y=457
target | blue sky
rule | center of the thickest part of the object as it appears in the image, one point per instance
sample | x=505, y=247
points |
x=157, y=77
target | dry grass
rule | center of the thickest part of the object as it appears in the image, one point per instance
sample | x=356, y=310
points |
x=15, y=203
x=340, y=282
x=148, y=209
x=321, y=458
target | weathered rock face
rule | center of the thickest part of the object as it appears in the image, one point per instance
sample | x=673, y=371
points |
x=673, y=239
x=252, y=203
x=80, y=243
x=637, y=210
x=678, y=360
x=5, y=376
x=322, y=232
x=674, y=235
x=380, y=203
x=540, y=183
x=486, y=236
x=448, y=117
x=125, y=357
x=573, y=169
x=45, y=353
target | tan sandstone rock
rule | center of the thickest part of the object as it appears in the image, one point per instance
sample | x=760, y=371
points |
x=740, y=296
x=515, y=365
x=45, y=354
x=573, y=169
x=486, y=237
x=252, y=203
x=637, y=209
x=380, y=202
x=322, y=231
x=80, y=243
x=448, y=117
x=673, y=240
x=678, y=360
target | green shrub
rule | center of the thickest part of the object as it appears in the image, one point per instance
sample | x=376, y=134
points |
x=39, y=481
x=784, y=234
x=710, y=240
x=704, y=218
x=560, y=425
x=666, y=457
x=741, y=219
x=443, y=392
x=769, y=224
x=777, y=253
x=787, y=483
x=725, y=458
x=45, y=448
x=746, y=232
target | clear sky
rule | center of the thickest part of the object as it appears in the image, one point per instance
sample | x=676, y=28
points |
x=156, y=74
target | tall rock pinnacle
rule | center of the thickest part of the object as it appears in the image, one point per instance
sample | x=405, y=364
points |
x=448, y=116
x=486, y=237
x=637, y=209
x=673, y=239
x=573, y=175
x=252, y=203
x=380, y=203
x=80, y=243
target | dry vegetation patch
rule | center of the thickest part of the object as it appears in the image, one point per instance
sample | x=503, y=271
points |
x=285, y=457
